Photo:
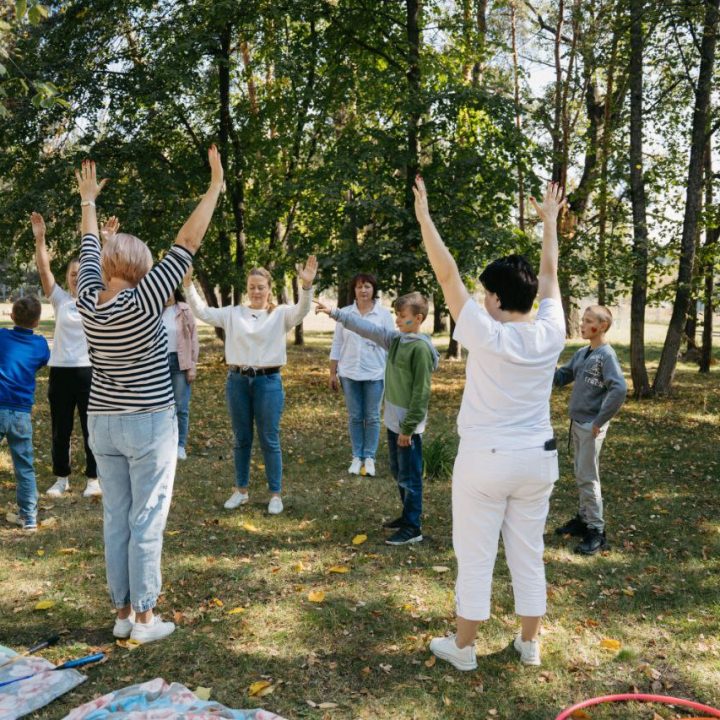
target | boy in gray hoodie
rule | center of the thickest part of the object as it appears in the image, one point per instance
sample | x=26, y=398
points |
x=597, y=395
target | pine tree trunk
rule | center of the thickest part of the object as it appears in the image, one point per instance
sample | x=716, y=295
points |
x=711, y=237
x=668, y=359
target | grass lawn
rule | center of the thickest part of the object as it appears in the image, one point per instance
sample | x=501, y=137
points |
x=237, y=582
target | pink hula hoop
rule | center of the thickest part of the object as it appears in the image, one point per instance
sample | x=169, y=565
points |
x=639, y=697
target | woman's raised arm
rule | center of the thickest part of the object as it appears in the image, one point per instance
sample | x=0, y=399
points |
x=42, y=259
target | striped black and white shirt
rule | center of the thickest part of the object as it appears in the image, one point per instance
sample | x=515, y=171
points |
x=126, y=337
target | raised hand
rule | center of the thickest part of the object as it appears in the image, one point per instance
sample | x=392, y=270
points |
x=38, y=227
x=110, y=228
x=321, y=307
x=422, y=211
x=216, y=169
x=553, y=201
x=87, y=182
x=307, y=273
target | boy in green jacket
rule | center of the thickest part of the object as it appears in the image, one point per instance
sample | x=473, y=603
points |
x=410, y=364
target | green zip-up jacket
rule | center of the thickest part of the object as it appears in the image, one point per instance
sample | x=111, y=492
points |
x=411, y=360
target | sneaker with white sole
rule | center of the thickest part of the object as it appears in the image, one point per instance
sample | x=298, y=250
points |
x=92, y=489
x=181, y=454
x=355, y=466
x=446, y=649
x=237, y=499
x=529, y=650
x=61, y=486
x=370, y=467
x=275, y=506
x=154, y=630
x=123, y=628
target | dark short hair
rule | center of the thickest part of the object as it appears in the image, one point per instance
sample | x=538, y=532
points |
x=513, y=280
x=26, y=311
x=415, y=301
x=365, y=278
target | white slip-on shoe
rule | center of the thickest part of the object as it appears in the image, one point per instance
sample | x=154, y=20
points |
x=275, y=506
x=237, y=499
x=92, y=489
x=123, y=628
x=154, y=630
x=355, y=466
x=529, y=650
x=446, y=649
x=61, y=486
x=370, y=467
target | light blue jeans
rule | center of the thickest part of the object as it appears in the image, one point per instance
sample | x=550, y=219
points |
x=363, y=398
x=181, y=391
x=136, y=455
x=260, y=399
x=16, y=426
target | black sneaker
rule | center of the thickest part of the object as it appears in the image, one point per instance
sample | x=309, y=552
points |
x=395, y=524
x=593, y=542
x=575, y=526
x=404, y=536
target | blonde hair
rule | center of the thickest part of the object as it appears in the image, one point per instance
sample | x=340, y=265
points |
x=601, y=314
x=262, y=272
x=127, y=257
x=415, y=301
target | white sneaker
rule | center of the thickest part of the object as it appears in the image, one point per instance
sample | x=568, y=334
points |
x=123, y=628
x=446, y=649
x=92, y=489
x=275, y=506
x=529, y=650
x=370, y=467
x=61, y=486
x=156, y=629
x=355, y=465
x=236, y=500
x=181, y=454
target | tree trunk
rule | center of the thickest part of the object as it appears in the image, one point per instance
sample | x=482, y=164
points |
x=669, y=356
x=638, y=300
x=299, y=332
x=454, y=351
x=518, y=119
x=481, y=25
x=439, y=313
x=711, y=237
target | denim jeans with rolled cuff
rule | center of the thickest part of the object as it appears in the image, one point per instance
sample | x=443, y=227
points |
x=406, y=466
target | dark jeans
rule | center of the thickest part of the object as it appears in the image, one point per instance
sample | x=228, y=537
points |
x=68, y=388
x=406, y=466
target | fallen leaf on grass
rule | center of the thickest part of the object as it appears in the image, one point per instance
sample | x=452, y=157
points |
x=202, y=693
x=40, y=552
x=610, y=644
x=128, y=644
x=218, y=602
x=316, y=596
x=12, y=518
x=327, y=705
x=340, y=569
x=68, y=551
x=236, y=611
x=440, y=568
x=44, y=605
x=430, y=662
x=174, y=532
x=249, y=527
x=359, y=539
x=260, y=688
x=298, y=567
x=48, y=522
x=580, y=715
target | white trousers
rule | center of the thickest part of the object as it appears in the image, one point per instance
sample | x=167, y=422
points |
x=508, y=492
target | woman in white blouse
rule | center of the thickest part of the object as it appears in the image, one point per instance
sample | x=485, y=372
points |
x=358, y=365
x=70, y=369
x=255, y=351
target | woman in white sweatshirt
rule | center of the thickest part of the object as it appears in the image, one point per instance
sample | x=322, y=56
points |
x=255, y=351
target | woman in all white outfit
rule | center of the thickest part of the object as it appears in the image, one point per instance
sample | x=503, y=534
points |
x=507, y=463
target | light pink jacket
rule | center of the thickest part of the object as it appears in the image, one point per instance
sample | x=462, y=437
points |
x=187, y=339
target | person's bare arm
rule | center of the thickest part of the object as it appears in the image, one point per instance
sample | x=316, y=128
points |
x=553, y=202
x=42, y=258
x=443, y=263
x=89, y=189
x=192, y=232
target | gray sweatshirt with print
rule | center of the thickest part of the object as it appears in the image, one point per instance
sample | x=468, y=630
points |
x=600, y=387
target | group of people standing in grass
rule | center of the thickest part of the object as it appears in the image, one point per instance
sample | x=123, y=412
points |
x=125, y=354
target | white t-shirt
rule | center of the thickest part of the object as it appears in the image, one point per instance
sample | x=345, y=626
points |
x=509, y=376
x=170, y=323
x=69, y=348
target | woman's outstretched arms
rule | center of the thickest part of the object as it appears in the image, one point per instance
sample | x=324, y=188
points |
x=553, y=202
x=42, y=259
x=443, y=263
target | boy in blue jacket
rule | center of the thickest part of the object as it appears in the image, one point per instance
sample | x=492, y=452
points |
x=22, y=354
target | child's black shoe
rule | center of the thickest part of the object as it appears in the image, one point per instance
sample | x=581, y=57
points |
x=575, y=526
x=404, y=536
x=593, y=542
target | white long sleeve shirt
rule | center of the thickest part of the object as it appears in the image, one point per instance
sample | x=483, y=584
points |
x=359, y=358
x=254, y=338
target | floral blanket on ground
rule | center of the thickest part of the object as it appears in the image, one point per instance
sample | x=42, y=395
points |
x=158, y=700
x=26, y=696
